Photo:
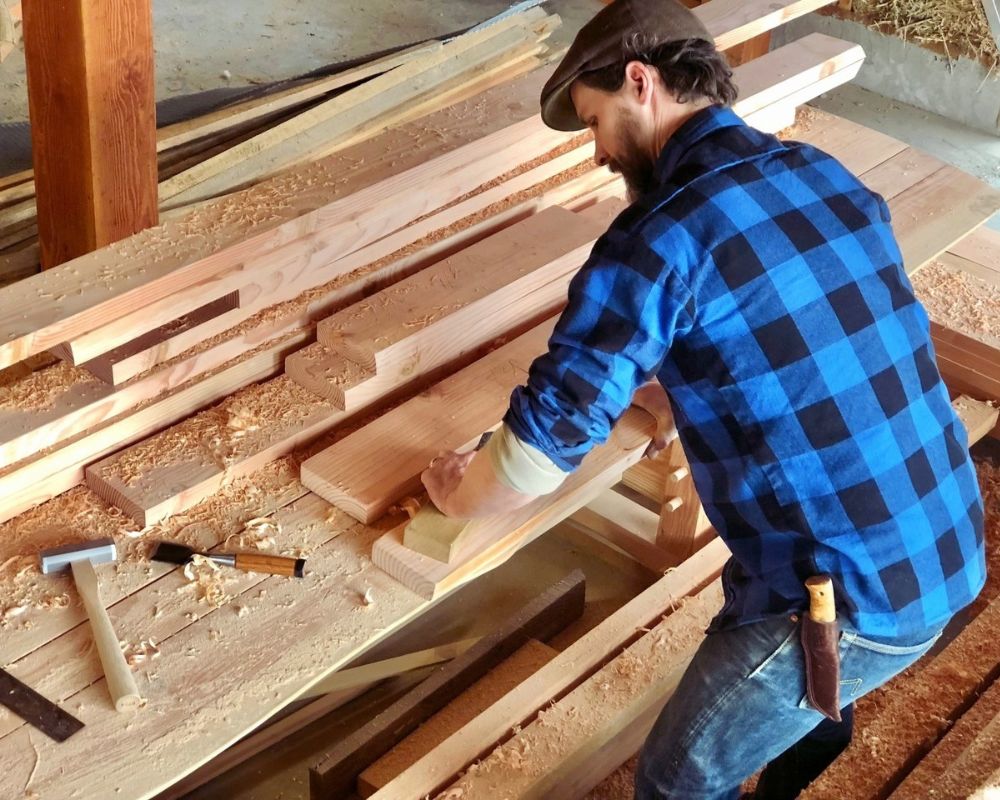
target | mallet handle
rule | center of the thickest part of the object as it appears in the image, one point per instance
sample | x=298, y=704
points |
x=121, y=684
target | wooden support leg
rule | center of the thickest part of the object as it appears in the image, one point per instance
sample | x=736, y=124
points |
x=683, y=523
x=93, y=122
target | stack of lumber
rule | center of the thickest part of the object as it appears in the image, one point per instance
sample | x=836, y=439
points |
x=249, y=349
x=245, y=144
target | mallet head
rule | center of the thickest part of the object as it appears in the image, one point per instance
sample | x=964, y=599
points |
x=97, y=551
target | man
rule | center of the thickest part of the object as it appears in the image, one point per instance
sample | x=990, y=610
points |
x=759, y=284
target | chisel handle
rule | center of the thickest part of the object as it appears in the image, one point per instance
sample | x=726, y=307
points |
x=273, y=565
x=121, y=684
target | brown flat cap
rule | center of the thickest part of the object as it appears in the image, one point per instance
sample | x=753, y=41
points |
x=599, y=44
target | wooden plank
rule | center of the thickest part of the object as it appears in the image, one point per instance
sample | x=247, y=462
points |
x=544, y=616
x=492, y=277
x=858, y=148
x=355, y=475
x=477, y=698
x=577, y=661
x=145, y=272
x=267, y=152
x=586, y=734
x=980, y=247
x=648, y=478
x=494, y=539
x=933, y=215
x=940, y=689
x=109, y=366
x=965, y=762
x=369, y=674
x=903, y=170
x=92, y=104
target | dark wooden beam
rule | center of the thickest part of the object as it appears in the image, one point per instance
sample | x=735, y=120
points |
x=93, y=122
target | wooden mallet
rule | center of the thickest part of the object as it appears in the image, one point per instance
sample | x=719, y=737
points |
x=81, y=559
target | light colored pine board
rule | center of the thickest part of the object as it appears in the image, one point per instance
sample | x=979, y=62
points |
x=648, y=478
x=981, y=247
x=527, y=265
x=933, y=215
x=477, y=698
x=985, y=272
x=966, y=380
x=732, y=23
x=494, y=539
x=37, y=479
x=208, y=242
x=858, y=148
x=116, y=366
x=578, y=660
x=575, y=743
x=896, y=174
x=368, y=674
x=284, y=275
x=356, y=475
x=793, y=68
x=345, y=114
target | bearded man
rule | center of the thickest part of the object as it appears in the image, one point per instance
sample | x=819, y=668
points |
x=754, y=294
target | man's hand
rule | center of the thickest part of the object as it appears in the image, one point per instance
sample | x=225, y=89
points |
x=652, y=398
x=443, y=477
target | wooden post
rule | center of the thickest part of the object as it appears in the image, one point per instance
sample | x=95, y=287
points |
x=93, y=122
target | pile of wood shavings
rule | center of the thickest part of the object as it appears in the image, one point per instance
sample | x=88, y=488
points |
x=40, y=389
x=960, y=301
x=209, y=581
x=957, y=27
x=220, y=435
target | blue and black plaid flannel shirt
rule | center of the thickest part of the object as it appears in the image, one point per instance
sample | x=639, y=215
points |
x=761, y=283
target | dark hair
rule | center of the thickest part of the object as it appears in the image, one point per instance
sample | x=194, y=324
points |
x=691, y=69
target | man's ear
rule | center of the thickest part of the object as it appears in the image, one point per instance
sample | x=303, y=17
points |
x=639, y=78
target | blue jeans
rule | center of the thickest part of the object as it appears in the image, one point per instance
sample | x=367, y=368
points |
x=742, y=704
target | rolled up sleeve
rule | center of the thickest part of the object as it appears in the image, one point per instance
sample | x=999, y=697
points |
x=626, y=305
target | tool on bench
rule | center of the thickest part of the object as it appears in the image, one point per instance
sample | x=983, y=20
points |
x=429, y=518
x=80, y=558
x=174, y=553
x=821, y=643
x=36, y=710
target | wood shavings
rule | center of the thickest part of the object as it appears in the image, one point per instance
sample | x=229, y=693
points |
x=204, y=575
x=368, y=596
x=42, y=388
x=34, y=767
x=259, y=533
x=960, y=301
x=142, y=653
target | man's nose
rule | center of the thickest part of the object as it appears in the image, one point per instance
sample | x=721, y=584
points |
x=601, y=156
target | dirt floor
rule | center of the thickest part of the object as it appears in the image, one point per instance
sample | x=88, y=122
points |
x=986, y=454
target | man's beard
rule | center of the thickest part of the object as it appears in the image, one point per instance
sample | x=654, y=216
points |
x=634, y=164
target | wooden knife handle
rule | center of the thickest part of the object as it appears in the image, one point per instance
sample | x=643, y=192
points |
x=822, y=606
x=273, y=565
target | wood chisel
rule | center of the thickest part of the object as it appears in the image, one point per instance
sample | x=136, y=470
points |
x=174, y=553
x=36, y=710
